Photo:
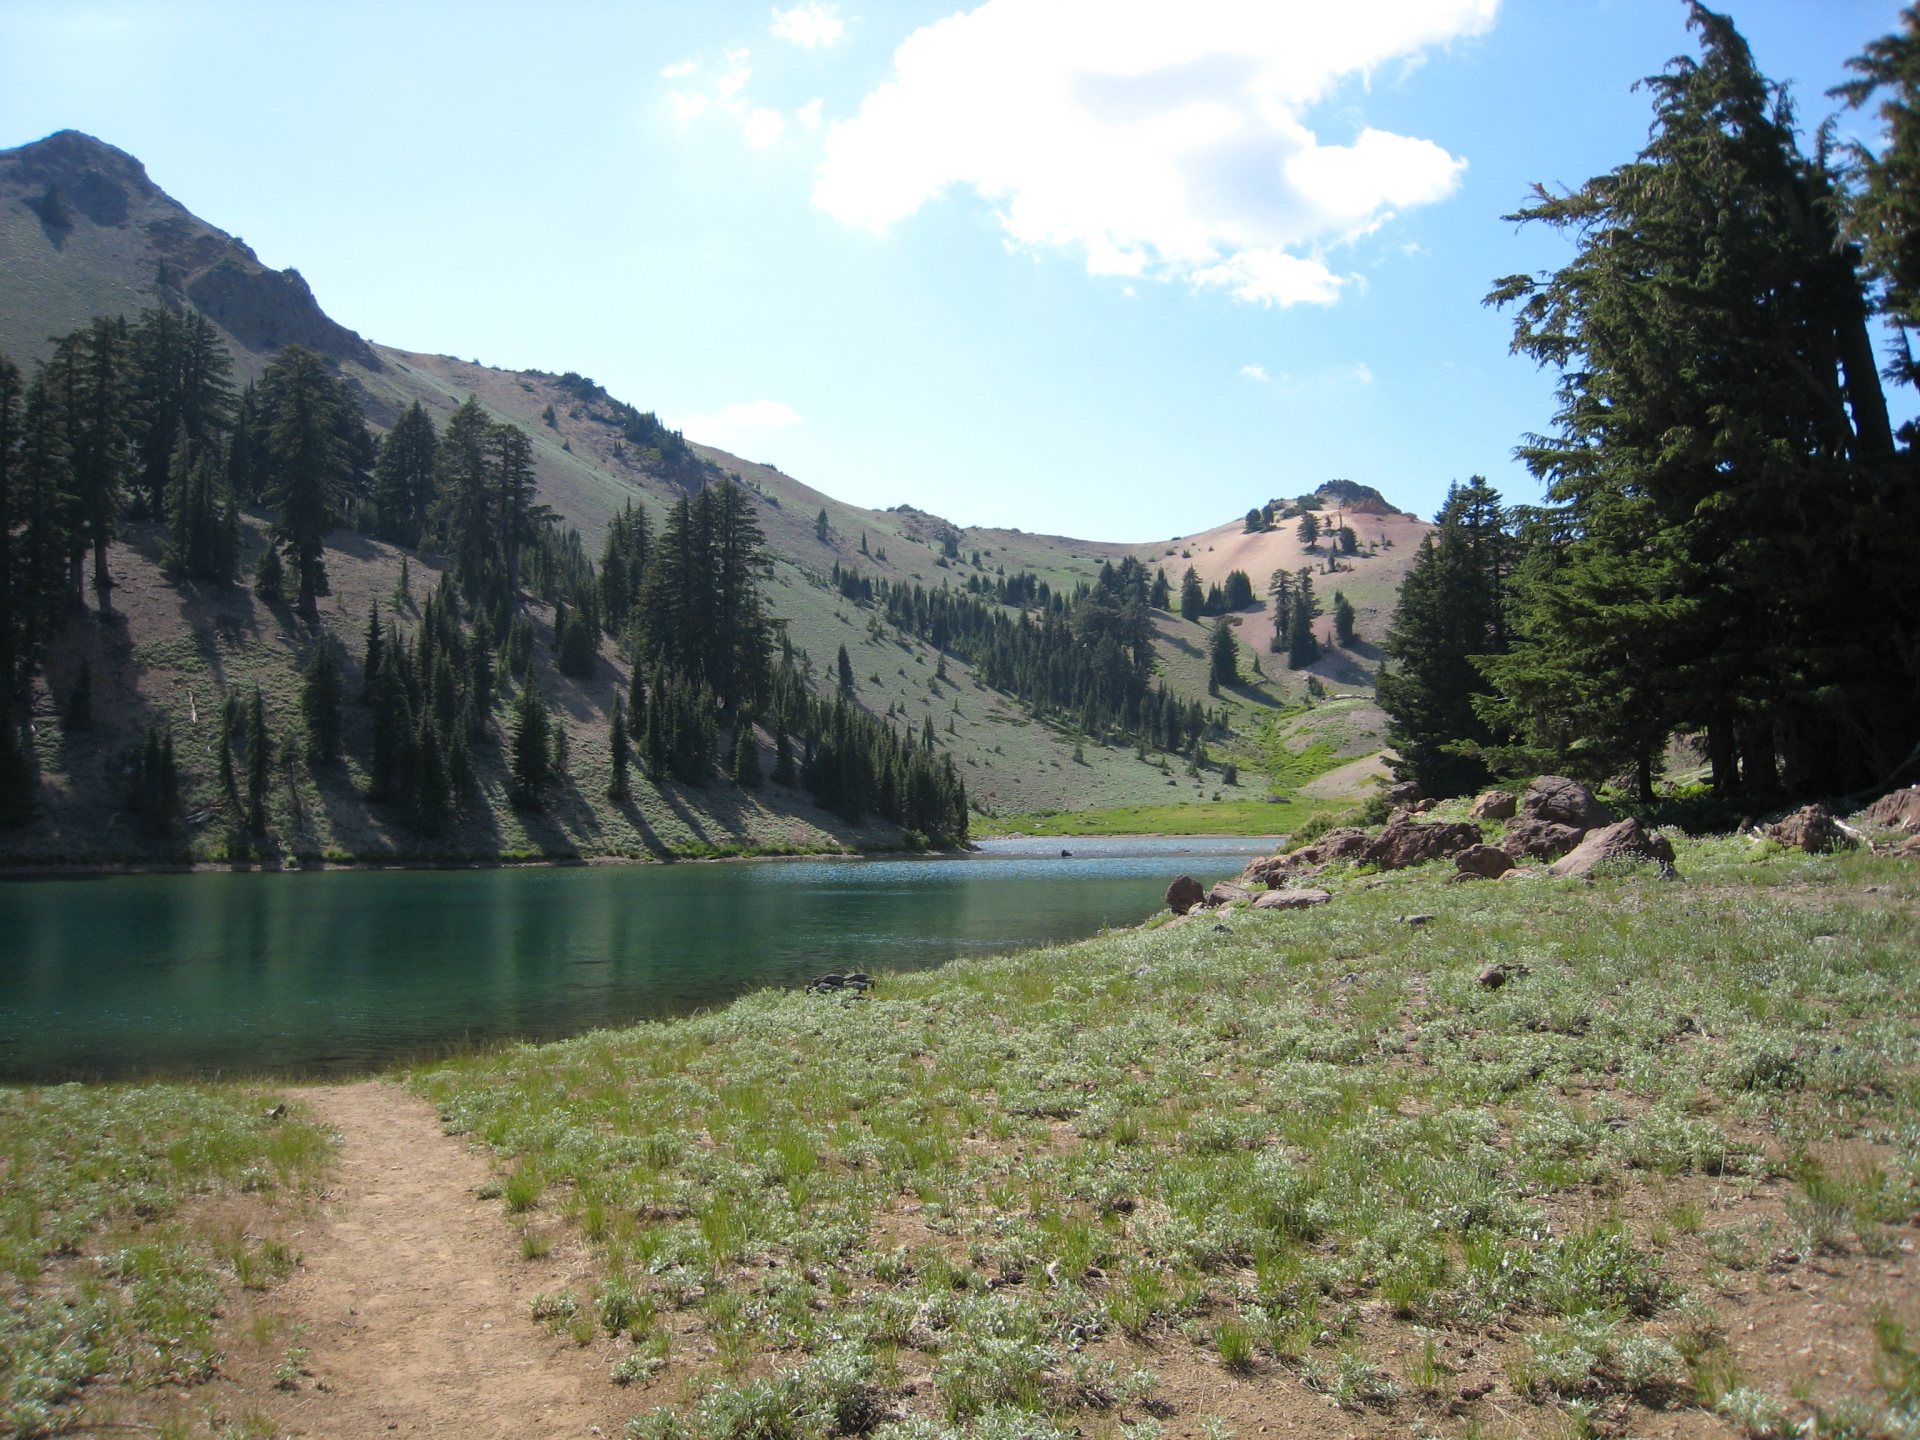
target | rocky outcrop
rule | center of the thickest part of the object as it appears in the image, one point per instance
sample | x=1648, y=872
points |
x=1407, y=842
x=1898, y=811
x=1564, y=802
x=1407, y=793
x=1183, y=894
x=1485, y=862
x=1290, y=899
x=1625, y=842
x=1228, y=892
x=1494, y=805
x=1554, y=815
x=1811, y=828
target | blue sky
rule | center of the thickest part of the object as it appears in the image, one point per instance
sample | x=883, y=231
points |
x=1100, y=267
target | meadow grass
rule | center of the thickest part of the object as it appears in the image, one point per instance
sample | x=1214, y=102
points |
x=108, y=1266
x=998, y=1197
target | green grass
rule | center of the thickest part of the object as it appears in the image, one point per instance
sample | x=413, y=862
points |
x=103, y=1267
x=1221, y=817
x=1235, y=1141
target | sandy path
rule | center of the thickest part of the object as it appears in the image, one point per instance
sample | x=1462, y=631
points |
x=413, y=1302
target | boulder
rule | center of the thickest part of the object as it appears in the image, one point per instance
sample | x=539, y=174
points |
x=1811, y=828
x=1494, y=805
x=1183, y=894
x=1290, y=899
x=1267, y=870
x=1407, y=792
x=1228, y=892
x=1561, y=801
x=1346, y=843
x=1539, y=839
x=1619, y=843
x=1489, y=862
x=1406, y=842
x=1898, y=811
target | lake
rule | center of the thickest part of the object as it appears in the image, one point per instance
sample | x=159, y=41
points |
x=338, y=972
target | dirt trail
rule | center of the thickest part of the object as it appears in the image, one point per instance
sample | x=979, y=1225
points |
x=412, y=1301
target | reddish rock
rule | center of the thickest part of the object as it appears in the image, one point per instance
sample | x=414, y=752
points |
x=1183, y=894
x=1290, y=899
x=1812, y=829
x=1407, y=792
x=1346, y=843
x=1494, y=805
x=1228, y=892
x=1620, y=843
x=1898, y=811
x=1489, y=862
x=1493, y=977
x=1561, y=801
x=1539, y=839
x=1407, y=843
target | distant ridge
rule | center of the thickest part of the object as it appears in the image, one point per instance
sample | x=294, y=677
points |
x=86, y=194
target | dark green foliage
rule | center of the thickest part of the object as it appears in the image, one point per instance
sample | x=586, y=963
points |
x=1237, y=593
x=702, y=616
x=1256, y=521
x=78, y=711
x=1452, y=610
x=91, y=372
x=305, y=414
x=153, y=793
x=623, y=567
x=1193, y=600
x=180, y=395
x=1294, y=611
x=1160, y=597
x=1884, y=211
x=663, y=451
x=1342, y=619
x=618, y=789
x=822, y=527
x=1729, y=546
x=270, y=577
x=1223, y=655
x=390, y=771
x=783, y=771
x=1346, y=541
x=843, y=667
x=403, y=477
x=323, y=689
x=203, y=519
x=16, y=775
x=1309, y=529
x=259, y=764
x=746, y=755
x=574, y=652
x=530, y=752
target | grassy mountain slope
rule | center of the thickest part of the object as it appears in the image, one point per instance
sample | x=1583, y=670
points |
x=83, y=231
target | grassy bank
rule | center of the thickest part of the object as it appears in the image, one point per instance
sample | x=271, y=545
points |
x=127, y=1215
x=1221, y=817
x=1246, y=1169
x=1194, y=1178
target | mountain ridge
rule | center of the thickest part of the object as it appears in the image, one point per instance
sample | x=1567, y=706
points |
x=120, y=243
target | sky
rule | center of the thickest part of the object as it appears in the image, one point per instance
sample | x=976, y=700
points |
x=1106, y=268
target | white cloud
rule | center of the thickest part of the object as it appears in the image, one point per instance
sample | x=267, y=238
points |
x=1149, y=140
x=732, y=83
x=810, y=25
x=739, y=428
x=679, y=70
x=762, y=127
x=809, y=114
x=1254, y=372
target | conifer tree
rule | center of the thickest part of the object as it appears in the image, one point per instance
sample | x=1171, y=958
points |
x=530, y=756
x=1223, y=655
x=618, y=789
x=259, y=764
x=403, y=477
x=78, y=714
x=310, y=463
x=1342, y=619
x=844, y=668
x=270, y=576
x=746, y=755
x=1193, y=600
x=322, y=700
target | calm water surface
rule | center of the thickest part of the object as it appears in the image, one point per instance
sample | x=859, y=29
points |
x=336, y=972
